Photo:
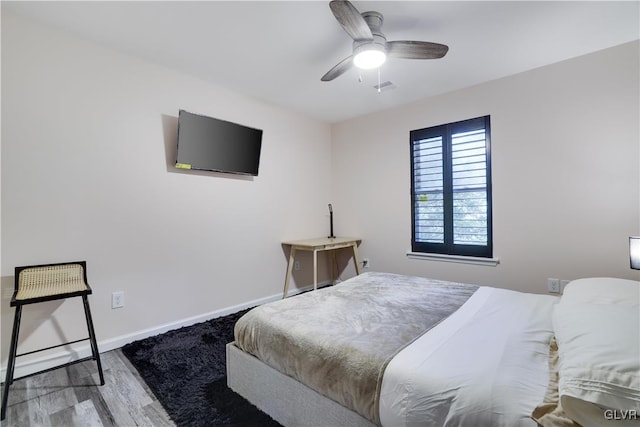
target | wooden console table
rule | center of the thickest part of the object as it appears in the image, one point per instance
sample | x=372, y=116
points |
x=316, y=245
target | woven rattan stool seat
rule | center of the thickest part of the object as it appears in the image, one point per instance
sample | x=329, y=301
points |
x=38, y=282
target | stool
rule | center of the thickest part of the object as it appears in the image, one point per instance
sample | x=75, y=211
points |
x=39, y=283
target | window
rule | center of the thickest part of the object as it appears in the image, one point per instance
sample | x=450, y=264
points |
x=451, y=189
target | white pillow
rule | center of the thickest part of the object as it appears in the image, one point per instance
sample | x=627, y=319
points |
x=597, y=327
x=602, y=290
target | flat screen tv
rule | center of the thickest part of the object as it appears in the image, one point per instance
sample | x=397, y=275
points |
x=209, y=144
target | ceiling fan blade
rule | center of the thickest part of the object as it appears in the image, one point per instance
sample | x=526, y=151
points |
x=351, y=20
x=416, y=50
x=339, y=69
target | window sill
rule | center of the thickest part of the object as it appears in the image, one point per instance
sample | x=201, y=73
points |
x=491, y=262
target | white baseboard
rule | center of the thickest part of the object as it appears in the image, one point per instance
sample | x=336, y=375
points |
x=78, y=352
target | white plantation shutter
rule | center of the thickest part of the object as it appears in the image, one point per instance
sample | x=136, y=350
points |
x=451, y=189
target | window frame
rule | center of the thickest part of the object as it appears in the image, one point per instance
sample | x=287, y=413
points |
x=448, y=247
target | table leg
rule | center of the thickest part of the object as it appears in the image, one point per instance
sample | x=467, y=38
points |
x=355, y=258
x=315, y=270
x=292, y=256
x=334, y=267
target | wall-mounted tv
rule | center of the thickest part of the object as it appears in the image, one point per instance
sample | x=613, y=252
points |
x=209, y=144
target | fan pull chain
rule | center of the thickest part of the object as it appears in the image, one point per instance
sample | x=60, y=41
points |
x=359, y=75
x=378, y=79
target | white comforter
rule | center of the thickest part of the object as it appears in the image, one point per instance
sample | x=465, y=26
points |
x=485, y=365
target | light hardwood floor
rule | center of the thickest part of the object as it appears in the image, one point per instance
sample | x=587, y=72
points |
x=71, y=397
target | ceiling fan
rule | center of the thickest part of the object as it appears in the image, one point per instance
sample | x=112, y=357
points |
x=370, y=46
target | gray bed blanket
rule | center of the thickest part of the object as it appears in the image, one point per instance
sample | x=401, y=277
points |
x=338, y=340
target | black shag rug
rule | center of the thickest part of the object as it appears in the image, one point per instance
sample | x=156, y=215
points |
x=186, y=369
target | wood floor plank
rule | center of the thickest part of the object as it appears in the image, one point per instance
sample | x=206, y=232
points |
x=72, y=397
x=82, y=414
x=132, y=371
x=47, y=382
x=92, y=393
x=17, y=415
x=54, y=401
x=136, y=389
x=158, y=415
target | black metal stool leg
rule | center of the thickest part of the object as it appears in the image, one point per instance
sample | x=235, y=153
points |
x=11, y=363
x=92, y=337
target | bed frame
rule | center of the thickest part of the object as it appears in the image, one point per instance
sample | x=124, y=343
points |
x=284, y=399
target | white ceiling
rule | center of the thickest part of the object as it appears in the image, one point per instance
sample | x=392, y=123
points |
x=277, y=51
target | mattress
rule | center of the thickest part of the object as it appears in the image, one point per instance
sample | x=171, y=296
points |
x=338, y=340
x=403, y=350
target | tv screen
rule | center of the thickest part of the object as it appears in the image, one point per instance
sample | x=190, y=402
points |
x=209, y=144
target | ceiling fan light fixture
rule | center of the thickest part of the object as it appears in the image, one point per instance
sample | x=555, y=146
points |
x=369, y=56
x=370, y=46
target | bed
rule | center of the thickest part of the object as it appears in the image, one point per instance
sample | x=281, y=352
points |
x=394, y=350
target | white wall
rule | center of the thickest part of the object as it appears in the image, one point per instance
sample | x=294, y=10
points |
x=88, y=144
x=566, y=175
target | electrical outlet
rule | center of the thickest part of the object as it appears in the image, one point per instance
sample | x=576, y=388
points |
x=365, y=263
x=553, y=285
x=296, y=265
x=117, y=299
